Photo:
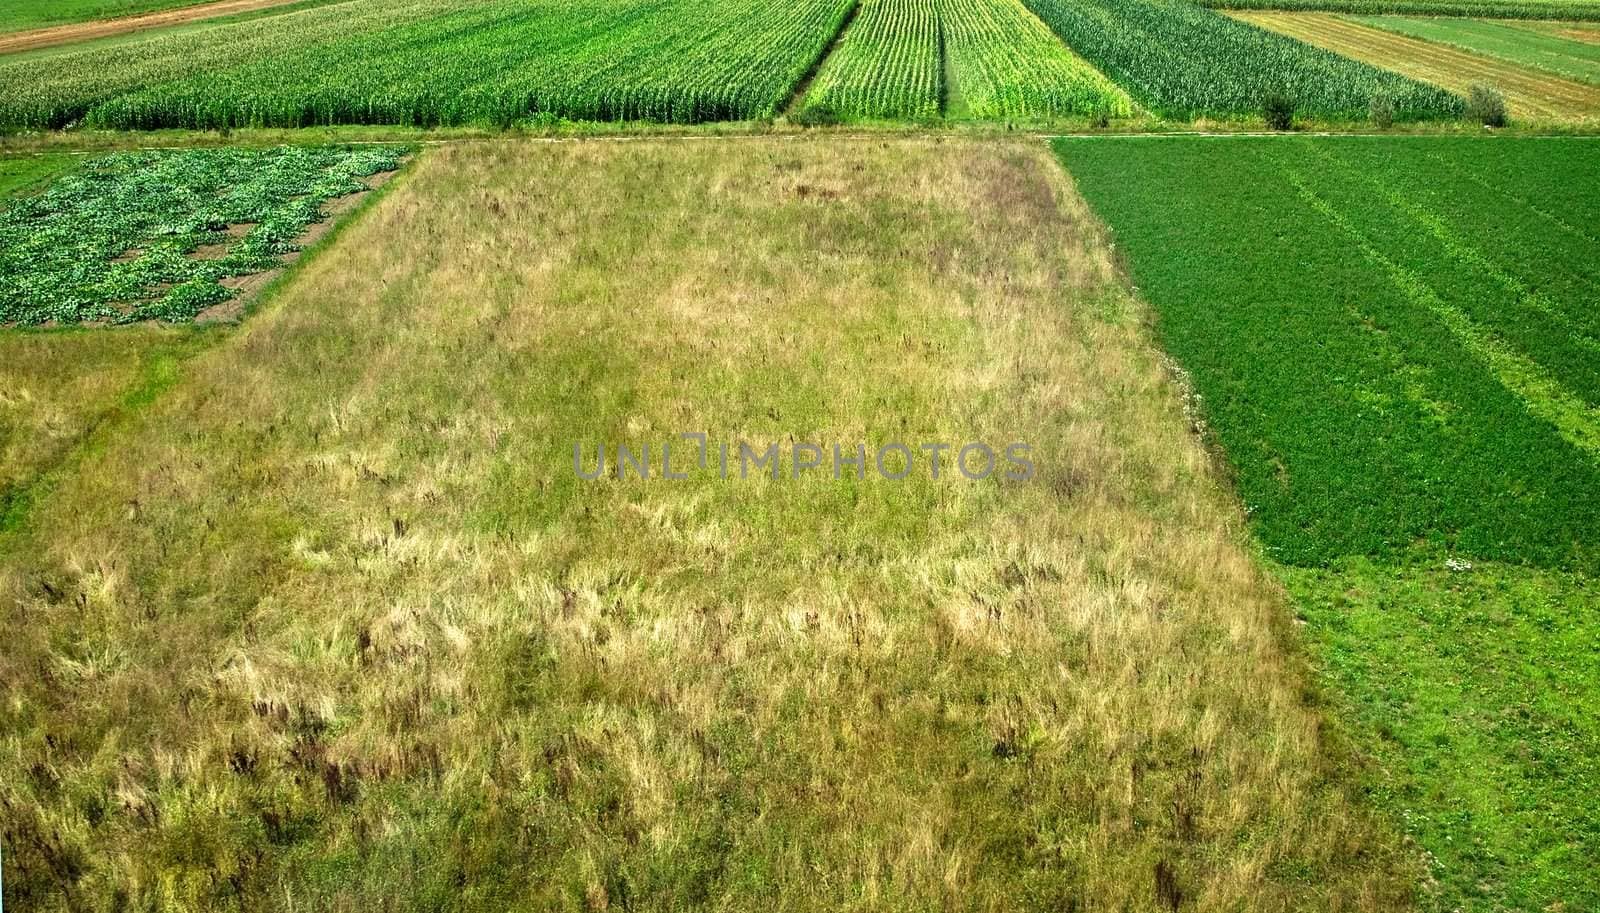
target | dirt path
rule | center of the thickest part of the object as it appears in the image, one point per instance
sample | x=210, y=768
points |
x=1528, y=92
x=105, y=28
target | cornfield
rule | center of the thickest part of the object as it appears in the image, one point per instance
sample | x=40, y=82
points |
x=886, y=66
x=1185, y=61
x=1007, y=64
x=431, y=62
x=977, y=58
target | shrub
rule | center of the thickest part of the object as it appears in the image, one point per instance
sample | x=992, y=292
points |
x=1486, y=105
x=1279, y=110
x=821, y=115
x=1381, y=110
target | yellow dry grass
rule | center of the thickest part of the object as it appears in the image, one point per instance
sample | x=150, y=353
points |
x=1529, y=93
x=333, y=626
x=57, y=386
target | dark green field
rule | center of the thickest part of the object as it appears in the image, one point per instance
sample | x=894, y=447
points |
x=1394, y=342
x=1402, y=348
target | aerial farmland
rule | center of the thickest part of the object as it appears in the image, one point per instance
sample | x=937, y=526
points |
x=801, y=455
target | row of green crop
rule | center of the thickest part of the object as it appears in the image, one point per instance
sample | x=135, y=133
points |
x=977, y=58
x=1185, y=61
x=60, y=88
x=430, y=62
x=1586, y=10
x=114, y=240
x=1007, y=64
x=886, y=65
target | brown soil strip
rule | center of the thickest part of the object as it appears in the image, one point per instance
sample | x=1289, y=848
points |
x=1528, y=93
x=247, y=287
x=1578, y=33
x=105, y=28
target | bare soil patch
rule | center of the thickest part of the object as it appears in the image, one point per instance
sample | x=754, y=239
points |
x=105, y=28
x=1579, y=33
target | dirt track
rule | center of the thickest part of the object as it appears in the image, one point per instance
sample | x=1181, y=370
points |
x=105, y=28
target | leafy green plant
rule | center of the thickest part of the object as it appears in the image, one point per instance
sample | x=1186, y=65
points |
x=120, y=238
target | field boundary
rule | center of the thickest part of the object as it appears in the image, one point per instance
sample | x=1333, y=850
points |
x=76, y=32
x=43, y=144
x=1528, y=92
x=162, y=371
x=798, y=98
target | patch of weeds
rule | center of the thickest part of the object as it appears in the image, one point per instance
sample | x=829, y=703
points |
x=1486, y=105
x=1380, y=110
x=818, y=116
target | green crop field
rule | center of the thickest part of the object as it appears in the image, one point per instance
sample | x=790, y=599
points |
x=1184, y=61
x=887, y=64
x=1393, y=340
x=1005, y=63
x=1516, y=42
x=1449, y=398
x=434, y=62
x=497, y=62
x=963, y=58
x=117, y=239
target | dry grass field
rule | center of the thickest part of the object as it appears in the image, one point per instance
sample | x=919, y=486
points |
x=332, y=624
x=1529, y=93
x=58, y=388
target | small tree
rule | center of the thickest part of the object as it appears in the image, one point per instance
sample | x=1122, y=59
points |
x=818, y=116
x=1279, y=110
x=1486, y=105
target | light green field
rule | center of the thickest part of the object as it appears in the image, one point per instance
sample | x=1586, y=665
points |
x=1540, y=45
x=23, y=173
